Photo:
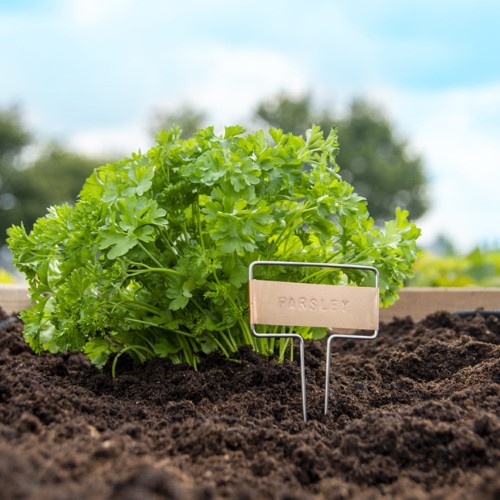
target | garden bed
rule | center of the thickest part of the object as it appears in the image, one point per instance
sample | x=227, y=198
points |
x=413, y=414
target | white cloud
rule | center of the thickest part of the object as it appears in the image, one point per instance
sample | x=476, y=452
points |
x=457, y=131
x=111, y=141
x=89, y=13
x=228, y=82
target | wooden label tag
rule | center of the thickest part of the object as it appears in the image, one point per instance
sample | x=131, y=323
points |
x=303, y=304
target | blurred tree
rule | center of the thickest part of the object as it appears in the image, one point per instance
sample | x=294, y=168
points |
x=14, y=137
x=371, y=157
x=189, y=119
x=289, y=114
x=55, y=177
x=443, y=246
x=382, y=168
x=27, y=190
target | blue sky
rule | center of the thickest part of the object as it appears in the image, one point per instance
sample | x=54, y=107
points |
x=90, y=73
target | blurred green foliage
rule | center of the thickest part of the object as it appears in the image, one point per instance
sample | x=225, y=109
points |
x=6, y=278
x=190, y=120
x=478, y=268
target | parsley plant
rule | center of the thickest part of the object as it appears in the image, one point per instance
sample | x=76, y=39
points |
x=153, y=258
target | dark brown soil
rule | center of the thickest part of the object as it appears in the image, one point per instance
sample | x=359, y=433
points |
x=414, y=414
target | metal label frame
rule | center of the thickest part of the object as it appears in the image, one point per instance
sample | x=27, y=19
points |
x=299, y=337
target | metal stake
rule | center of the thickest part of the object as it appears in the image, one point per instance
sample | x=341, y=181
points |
x=328, y=358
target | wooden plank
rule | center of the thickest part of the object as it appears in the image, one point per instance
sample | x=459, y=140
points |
x=419, y=302
x=414, y=302
x=13, y=298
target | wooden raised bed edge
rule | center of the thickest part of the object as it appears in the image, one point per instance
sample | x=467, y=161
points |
x=418, y=302
x=414, y=302
x=13, y=298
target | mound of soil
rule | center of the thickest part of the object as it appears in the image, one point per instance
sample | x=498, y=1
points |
x=413, y=414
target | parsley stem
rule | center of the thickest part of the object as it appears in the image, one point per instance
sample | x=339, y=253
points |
x=124, y=350
x=166, y=240
x=154, y=270
x=138, y=305
x=197, y=215
x=221, y=346
x=247, y=335
x=187, y=351
x=152, y=257
x=161, y=327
